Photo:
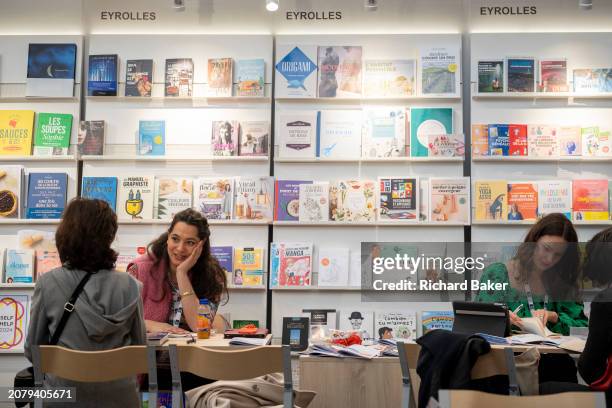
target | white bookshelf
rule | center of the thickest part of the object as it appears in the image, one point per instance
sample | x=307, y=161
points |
x=383, y=160
x=174, y=158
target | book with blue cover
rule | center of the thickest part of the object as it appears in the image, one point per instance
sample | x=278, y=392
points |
x=102, y=75
x=296, y=71
x=521, y=75
x=152, y=138
x=102, y=188
x=46, y=197
x=19, y=266
x=51, y=70
x=225, y=256
x=499, y=140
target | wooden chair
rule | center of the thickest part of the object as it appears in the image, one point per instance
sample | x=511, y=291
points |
x=229, y=365
x=95, y=366
x=478, y=399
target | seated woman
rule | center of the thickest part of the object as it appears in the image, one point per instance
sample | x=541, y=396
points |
x=108, y=312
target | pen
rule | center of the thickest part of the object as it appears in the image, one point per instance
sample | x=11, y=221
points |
x=515, y=311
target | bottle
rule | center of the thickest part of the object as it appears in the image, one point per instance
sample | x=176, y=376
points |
x=204, y=319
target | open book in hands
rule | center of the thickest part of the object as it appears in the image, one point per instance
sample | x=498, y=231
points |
x=534, y=325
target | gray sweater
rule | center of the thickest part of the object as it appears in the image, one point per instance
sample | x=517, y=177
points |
x=107, y=314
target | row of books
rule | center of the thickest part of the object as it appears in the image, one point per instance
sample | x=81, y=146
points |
x=519, y=75
x=540, y=141
x=22, y=265
x=325, y=71
x=20, y=137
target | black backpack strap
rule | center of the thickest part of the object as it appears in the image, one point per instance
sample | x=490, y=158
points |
x=68, y=308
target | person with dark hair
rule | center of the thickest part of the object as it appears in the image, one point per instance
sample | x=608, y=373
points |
x=385, y=333
x=108, y=312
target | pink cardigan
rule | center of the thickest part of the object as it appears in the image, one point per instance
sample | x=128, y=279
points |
x=153, y=278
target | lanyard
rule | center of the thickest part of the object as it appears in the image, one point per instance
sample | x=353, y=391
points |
x=530, y=299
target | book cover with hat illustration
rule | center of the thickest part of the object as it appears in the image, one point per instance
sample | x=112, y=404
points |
x=358, y=320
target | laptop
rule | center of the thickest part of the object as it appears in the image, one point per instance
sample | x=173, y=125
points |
x=478, y=317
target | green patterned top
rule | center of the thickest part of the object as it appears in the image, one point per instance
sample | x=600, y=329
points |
x=571, y=314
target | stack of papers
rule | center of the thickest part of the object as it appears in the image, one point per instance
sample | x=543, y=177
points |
x=248, y=341
x=356, y=350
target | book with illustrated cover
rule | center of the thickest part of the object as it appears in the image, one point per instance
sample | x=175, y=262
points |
x=248, y=267
x=250, y=76
x=135, y=197
x=274, y=263
x=127, y=256
x=254, y=198
x=491, y=200
x=595, y=142
x=352, y=201
x=339, y=71
x=51, y=70
x=398, y=199
x=90, y=138
x=102, y=188
x=490, y=76
x=46, y=261
x=384, y=133
x=522, y=201
x=449, y=199
x=521, y=75
x=46, y=197
x=425, y=122
x=11, y=177
x=16, y=130
x=389, y=78
x=220, y=76
x=596, y=80
x=36, y=239
x=339, y=134
x=333, y=267
x=52, y=137
x=225, y=256
x=297, y=134
x=139, y=77
x=403, y=325
x=15, y=317
x=452, y=145
x=518, y=144
x=590, y=200
x=239, y=324
x=102, y=75
x=439, y=70
x=287, y=199
x=19, y=266
x=433, y=320
x=296, y=71
x=555, y=196
x=295, y=267
x=152, y=137
x=424, y=201
x=605, y=146
x=225, y=137
x=213, y=197
x=542, y=141
x=480, y=140
x=499, y=140
x=172, y=195
x=553, y=75
x=570, y=141
x=321, y=322
x=179, y=77
x=254, y=138
x=314, y=202
x=358, y=320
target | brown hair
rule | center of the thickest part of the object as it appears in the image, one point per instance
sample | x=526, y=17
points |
x=85, y=234
x=207, y=277
x=598, y=258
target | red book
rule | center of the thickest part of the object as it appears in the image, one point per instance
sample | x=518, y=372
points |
x=518, y=140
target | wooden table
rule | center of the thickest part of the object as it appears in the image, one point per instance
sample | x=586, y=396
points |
x=216, y=341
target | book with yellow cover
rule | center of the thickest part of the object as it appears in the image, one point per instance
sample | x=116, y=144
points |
x=16, y=129
x=248, y=267
x=491, y=200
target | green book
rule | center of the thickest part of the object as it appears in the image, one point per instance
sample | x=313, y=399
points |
x=239, y=324
x=52, y=137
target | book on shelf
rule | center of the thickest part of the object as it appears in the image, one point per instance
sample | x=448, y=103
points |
x=296, y=71
x=295, y=263
x=51, y=70
x=449, y=199
x=521, y=74
x=553, y=75
x=592, y=81
x=339, y=71
x=152, y=137
x=297, y=134
x=179, y=77
x=389, y=78
x=402, y=324
x=440, y=71
x=248, y=267
x=11, y=191
x=434, y=320
x=52, y=137
x=384, y=133
x=491, y=76
x=424, y=201
x=239, y=324
x=102, y=188
x=590, y=200
x=16, y=129
x=339, y=134
x=287, y=199
x=172, y=195
x=480, y=140
x=358, y=320
x=543, y=141
x=314, y=202
x=295, y=333
x=225, y=256
x=555, y=196
x=595, y=142
x=135, y=197
x=139, y=77
x=126, y=256
x=220, y=76
x=90, y=137
x=321, y=322
x=254, y=199
x=15, y=316
x=398, y=199
x=250, y=77
x=254, y=138
x=19, y=266
x=225, y=137
x=425, y=122
x=570, y=141
x=499, y=140
x=517, y=139
x=605, y=146
x=333, y=266
x=522, y=201
x=102, y=75
x=491, y=200
x=352, y=200
x=213, y=197
x=46, y=196
x=46, y=261
x=36, y=239
x=274, y=263
x=446, y=145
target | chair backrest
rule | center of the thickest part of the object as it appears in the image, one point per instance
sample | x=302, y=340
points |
x=476, y=399
x=224, y=364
